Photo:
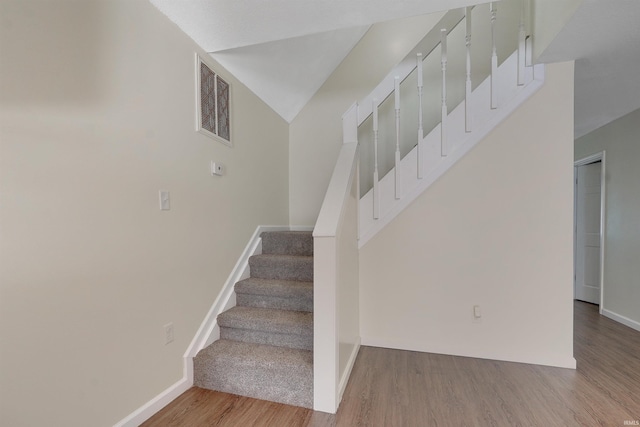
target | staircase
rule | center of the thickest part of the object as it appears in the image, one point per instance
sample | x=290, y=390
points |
x=265, y=350
x=266, y=346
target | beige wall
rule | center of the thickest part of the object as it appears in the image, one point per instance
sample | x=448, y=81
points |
x=495, y=231
x=621, y=141
x=315, y=135
x=96, y=115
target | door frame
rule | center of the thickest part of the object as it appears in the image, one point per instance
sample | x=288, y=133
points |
x=601, y=156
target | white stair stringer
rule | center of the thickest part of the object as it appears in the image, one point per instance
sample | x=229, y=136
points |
x=484, y=120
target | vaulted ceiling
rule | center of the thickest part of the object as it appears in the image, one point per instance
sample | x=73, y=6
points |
x=283, y=50
x=603, y=37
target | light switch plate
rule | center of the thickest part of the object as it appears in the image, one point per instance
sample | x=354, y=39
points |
x=165, y=202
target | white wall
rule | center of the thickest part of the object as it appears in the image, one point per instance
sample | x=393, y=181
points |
x=97, y=110
x=495, y=231
x=315, y=135
x=622, y=234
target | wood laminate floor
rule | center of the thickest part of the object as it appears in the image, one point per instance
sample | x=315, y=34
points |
x=404, y=388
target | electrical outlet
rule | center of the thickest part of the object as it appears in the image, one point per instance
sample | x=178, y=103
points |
x=168, y=333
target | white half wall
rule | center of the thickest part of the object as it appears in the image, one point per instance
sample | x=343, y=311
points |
x=97, y=114
x=622, y=237
x=495, y=231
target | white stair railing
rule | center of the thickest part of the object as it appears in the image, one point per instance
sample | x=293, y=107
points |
x=372, y=106
x=343, y=212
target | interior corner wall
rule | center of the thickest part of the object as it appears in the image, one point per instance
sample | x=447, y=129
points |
x=622, y=209
x=97, y=114
x=495, y=231
x=315, y=135
x=549, y=17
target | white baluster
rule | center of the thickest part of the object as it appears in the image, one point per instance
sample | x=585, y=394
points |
x=396, y=82
x=467, y=93
x=521, y=46
x=420, y=129
x=443, y=62
x=376, y=194
x=494, y=57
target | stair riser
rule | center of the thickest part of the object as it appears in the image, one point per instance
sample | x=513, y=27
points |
x=303, y=342
x=286, y=385
x=282, y=269
x=280, y=303
x=289, y=243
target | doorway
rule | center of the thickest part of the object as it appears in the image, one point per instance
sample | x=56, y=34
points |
x=589, y=212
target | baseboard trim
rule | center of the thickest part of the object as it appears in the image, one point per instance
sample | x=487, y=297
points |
x=208, y=330
x=153, y=406
x=621, y=319
x=558, y=362
x=344, y=380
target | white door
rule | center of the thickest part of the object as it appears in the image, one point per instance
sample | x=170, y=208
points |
x=587, y=274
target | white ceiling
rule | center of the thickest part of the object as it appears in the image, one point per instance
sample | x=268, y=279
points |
x=284, y=50
x=285, y=74
x=603, y=36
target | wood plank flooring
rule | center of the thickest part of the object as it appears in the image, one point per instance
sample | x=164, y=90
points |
x=403, y=388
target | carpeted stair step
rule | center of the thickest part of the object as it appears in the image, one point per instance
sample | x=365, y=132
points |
x=265, y=372
x=287, y=242
x=291, y=329
x=278, y=294
x=282, y=267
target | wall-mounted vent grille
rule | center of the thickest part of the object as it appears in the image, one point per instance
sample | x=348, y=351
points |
x=213, y=103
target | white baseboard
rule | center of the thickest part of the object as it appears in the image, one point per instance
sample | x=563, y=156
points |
x=558, y=362
x=208, y=330
x=153, y=406
x=347, y=372
x=621, y=319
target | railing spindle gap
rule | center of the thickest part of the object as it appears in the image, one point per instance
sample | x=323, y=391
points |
x=494, y=57
x=521, y=45
x=396, y=85
x=420, y=150
x=467, y=93
x=443, y=63
x=376, y=194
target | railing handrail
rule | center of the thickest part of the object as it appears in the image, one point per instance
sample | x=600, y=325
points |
x=338, y=191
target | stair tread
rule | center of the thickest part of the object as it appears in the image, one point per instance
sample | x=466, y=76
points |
x=283, y=257
x=260, y=371
x=258, y=355
x=287, y=242
x=280, y=266
x=274, y=287
x=268, y=320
